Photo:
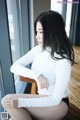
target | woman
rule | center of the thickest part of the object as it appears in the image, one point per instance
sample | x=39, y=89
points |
x=51, y=68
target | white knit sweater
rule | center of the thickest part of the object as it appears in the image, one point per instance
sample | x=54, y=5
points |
x=56, y=71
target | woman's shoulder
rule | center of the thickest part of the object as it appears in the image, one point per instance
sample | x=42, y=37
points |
x=64, y=61
x=37, y=48
x=63, y=64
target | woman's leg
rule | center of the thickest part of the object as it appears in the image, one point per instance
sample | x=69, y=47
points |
x=19, y=114
x=49, y=113
x=15, y=113
x=39, y=113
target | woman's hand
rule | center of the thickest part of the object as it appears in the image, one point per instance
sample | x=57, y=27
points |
x=15, y=102
x=12, y=103
x=43, y=82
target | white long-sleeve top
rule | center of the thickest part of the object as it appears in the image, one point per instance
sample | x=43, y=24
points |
x=57, y=73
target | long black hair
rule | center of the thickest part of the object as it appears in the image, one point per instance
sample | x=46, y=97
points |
x=54, y=35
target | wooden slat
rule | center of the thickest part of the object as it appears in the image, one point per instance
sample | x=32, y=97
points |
x=74, y=87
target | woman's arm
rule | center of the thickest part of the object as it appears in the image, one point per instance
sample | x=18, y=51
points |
x=63, y=72
x=19, y=67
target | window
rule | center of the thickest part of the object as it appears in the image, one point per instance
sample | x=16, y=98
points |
x=14, y=32
x=68, y=17
x=2, y=93
x=56, y=5
x=14, y=39
x=19, y=33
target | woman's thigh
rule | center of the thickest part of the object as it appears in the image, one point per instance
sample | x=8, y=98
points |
x=49, y=113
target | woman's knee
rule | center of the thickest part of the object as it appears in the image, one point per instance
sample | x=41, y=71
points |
x=5, y=99
x=63, y=109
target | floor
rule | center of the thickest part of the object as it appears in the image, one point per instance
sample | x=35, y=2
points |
x=73, y=113
x=74, y=89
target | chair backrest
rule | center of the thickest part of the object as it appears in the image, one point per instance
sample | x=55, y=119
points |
x=32, y=81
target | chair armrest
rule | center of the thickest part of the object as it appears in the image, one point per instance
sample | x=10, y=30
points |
x=26, y=79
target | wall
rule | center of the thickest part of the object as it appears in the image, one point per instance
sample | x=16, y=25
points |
x=38, y=7
x=35, y=8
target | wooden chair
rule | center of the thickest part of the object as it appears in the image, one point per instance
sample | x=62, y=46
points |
x=32, y=81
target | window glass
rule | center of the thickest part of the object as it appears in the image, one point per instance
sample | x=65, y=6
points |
x=68, y=16
x=18, y=31
x=14, y=32
x=56, y=6
x=1, y=88
x=14, y=28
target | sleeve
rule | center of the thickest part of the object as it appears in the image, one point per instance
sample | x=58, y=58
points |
x=63, y=72
x=19, y=67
